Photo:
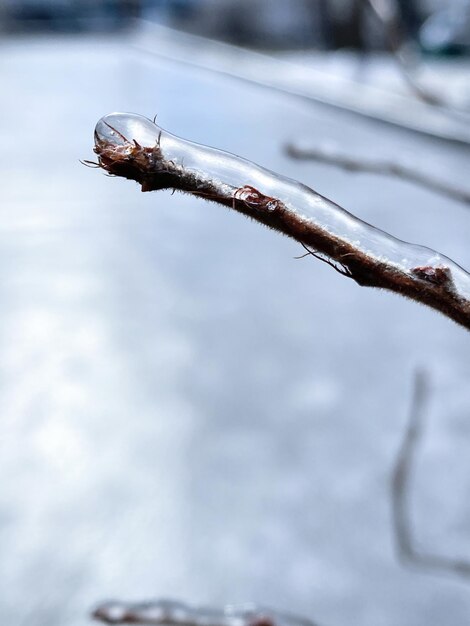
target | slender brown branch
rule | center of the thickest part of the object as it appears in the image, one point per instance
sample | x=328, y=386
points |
x=171, y=613
x=335, y=157
x=402, y=477
x=372, y=257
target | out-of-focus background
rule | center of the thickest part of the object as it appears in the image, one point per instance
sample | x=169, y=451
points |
x=272, y=24
x=186, y=410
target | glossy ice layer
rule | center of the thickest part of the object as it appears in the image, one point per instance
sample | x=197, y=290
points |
x=124, y=128
x=229, y=172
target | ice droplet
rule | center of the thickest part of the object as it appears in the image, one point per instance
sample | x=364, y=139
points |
x=123, y=128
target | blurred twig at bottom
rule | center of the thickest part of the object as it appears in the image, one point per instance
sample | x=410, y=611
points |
x=402, y=477
x=171, y=613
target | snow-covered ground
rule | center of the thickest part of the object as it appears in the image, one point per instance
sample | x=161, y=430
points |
x=186, y=410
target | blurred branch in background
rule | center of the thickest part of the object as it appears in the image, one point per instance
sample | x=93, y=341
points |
x=402, y=477
x=400, y=20
x=171, y=613
x=332, y=155
x=391, y=13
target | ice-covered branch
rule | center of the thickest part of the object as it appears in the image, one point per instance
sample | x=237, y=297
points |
x=333, y=156
x=171, y=613
x=132, y=146
x=400, y=493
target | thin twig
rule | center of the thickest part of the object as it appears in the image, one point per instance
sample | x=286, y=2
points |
x=341, y=269
x=171, y=613
x=383, y=167
x=402, y=477
x=158, y=160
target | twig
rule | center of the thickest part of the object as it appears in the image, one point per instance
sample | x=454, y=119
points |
x=132, y=146
x=171, y=613
x=383, y=167
x=400, y=493
x=341, y=269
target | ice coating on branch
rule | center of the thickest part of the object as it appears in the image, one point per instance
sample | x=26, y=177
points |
x=228, y=174
x=124, y=128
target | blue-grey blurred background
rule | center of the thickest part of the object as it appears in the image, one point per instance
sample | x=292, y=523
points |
x=186, y=410
x=320, y=24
